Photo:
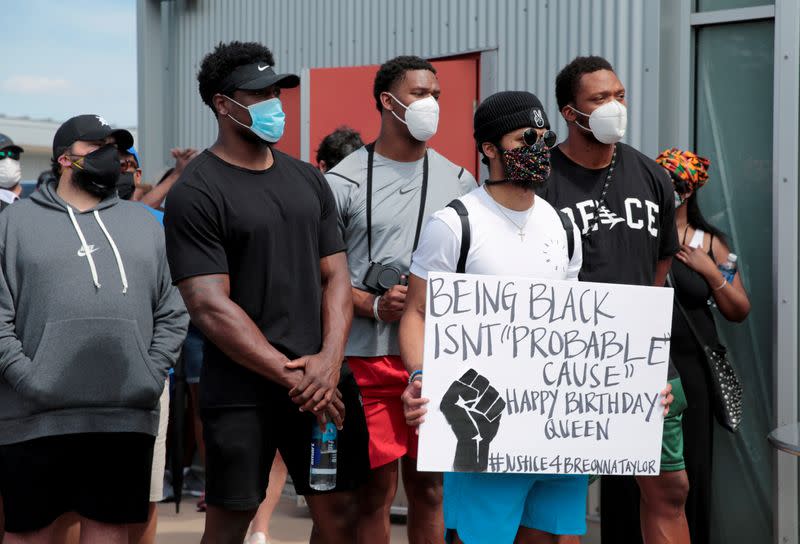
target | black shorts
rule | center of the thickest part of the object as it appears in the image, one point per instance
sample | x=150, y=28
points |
x=241, y=444
x=104, y=477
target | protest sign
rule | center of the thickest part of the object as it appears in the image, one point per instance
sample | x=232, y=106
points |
x=543, y=376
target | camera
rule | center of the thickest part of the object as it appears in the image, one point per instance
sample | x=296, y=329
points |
x=382, y=277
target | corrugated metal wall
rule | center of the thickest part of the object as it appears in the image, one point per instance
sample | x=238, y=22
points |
x=533, y=40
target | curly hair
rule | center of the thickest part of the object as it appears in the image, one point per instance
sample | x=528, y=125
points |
x=569, y=78
x=337, y=145
x=225, y=58
x=393, y=71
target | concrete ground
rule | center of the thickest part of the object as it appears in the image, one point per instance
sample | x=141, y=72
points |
x=290, y=525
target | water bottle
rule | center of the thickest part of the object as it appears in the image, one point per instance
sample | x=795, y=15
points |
x=322, y=474
x=728, y=268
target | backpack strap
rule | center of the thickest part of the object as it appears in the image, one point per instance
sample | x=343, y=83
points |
x=463, y=215
x=569, y=228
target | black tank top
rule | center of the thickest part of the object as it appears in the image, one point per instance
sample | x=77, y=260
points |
x=693, y=292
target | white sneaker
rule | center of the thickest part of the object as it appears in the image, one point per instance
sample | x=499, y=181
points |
x=258, y=538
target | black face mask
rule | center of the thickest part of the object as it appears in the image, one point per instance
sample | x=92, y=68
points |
x=125, y=185
x=97, y=172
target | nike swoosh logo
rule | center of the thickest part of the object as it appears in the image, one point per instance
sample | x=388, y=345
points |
x=405, y=191
x=82, y=253
x=262, y=68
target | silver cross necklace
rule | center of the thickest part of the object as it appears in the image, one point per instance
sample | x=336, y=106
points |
x=520, y=228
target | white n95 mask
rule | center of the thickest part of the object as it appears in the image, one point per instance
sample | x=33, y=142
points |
x=10, y=172
x=607, y=123
x=422, y=117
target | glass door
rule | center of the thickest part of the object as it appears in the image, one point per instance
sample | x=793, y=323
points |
x=733, y=128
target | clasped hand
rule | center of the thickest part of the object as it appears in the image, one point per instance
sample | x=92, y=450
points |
x=317, y=390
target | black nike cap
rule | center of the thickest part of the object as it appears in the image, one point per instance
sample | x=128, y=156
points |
x=258, y=75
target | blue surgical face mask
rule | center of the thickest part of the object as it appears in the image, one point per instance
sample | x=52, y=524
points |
x=267, y=116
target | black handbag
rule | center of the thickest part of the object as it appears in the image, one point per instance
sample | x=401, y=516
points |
x=727, y=391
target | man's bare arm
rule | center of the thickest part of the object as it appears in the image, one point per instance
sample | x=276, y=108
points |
x=662, y=268
x=156, y=196
x=412, y=324
x=412, y=347
x=158, y=193
x=227, y=325
x=390, y=305
x=362, y=302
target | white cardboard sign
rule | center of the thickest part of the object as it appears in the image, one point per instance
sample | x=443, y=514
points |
x=543, y=376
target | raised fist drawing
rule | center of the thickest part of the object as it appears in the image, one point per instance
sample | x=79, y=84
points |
x=473, y=408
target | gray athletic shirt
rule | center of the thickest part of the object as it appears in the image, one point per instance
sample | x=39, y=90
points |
x=395, y=209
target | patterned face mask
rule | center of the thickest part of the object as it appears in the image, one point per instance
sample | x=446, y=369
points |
x=528, y=165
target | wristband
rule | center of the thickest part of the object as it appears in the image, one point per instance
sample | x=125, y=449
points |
x=724, y=283
x=413, y=376
x=375, y=313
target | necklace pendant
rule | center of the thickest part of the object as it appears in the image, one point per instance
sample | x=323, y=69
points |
x=521, y=235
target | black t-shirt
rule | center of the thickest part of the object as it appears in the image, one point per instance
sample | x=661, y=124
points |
x=268, y=231
x=635, y=230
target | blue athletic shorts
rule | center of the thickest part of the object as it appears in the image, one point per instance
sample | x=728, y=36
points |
x=491, y=507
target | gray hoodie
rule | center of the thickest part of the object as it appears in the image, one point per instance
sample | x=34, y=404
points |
x=89, y=319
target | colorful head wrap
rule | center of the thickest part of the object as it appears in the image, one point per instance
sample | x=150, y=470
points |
x=686, y=166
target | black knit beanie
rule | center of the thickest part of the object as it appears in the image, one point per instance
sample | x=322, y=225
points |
x=505, y=112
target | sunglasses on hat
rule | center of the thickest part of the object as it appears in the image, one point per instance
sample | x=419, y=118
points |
x=9, y=154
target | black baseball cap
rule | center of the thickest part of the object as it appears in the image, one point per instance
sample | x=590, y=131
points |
x=88, y=128
x=8, y=143
x=258, y=75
